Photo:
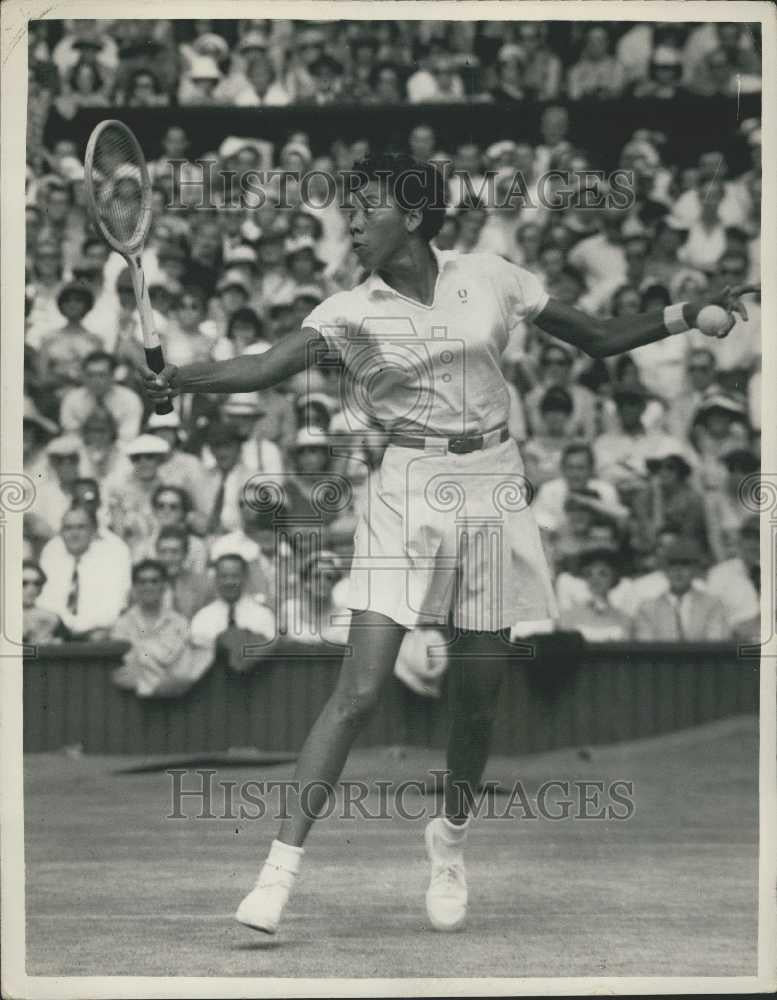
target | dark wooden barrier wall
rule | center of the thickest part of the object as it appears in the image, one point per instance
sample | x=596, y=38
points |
x=616, y=691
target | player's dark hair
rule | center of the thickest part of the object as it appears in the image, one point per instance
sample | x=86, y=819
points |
x=411, y=183
x=146, y=564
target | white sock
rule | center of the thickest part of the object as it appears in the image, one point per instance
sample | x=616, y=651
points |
x=455, y=833
x=450, y=839
x=285, y=856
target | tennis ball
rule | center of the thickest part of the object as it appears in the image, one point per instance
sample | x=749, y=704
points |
x=712, y=321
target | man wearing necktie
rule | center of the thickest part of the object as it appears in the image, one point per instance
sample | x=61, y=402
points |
x=223, y=485
x=685, y=613
x=87, y=585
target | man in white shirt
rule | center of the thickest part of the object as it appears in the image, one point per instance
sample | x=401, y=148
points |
x=237, y=622
x=737, y=583
x=222, y=485
x=87, y=582
x=100, y=390
x=156, y=664
x=683, y=613
x=577, y=467
x=601, y=258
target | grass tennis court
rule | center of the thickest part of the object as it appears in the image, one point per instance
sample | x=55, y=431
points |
x=114, y=888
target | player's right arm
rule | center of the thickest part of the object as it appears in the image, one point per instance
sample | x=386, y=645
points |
x=246, y=373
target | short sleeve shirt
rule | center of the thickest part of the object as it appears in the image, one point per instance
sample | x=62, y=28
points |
x=430, y=369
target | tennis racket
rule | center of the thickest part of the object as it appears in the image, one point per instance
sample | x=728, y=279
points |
x=118, y=191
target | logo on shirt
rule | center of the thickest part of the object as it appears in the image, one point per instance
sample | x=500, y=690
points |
x=463, y=294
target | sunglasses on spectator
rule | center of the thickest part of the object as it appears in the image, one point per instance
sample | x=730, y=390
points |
x=168, y=505
x=149, y=580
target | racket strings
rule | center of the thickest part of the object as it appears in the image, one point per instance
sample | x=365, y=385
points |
x=118, y=181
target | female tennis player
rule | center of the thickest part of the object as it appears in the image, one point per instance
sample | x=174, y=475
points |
x=447, y=538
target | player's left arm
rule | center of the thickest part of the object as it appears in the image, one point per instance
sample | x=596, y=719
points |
x=601, y=338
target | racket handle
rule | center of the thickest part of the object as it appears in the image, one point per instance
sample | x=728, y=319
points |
x=156, y=363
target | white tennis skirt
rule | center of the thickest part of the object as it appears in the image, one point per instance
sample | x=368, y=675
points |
x=440, y=534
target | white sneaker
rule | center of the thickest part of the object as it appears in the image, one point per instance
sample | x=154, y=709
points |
x=262, y=907
x=446, y=897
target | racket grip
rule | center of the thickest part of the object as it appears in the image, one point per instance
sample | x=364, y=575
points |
x=156, y=362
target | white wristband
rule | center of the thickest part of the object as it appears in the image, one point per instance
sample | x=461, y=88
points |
x=674, y=320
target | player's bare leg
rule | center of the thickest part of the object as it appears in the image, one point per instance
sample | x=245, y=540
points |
x=475, y=675
x=374, y=645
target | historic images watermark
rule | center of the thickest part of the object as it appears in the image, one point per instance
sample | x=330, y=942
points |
x=205, y=184
x=200, y=795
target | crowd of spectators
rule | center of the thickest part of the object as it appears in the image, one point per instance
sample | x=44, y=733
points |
x=203, y=533
x=271, y=63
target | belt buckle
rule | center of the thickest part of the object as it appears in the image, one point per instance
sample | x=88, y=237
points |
x=463, y=445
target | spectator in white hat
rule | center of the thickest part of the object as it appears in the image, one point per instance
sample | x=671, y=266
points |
x=54, y=490
x=129, y=498
x=719, y=426
x=179, y=468
x=246, y=412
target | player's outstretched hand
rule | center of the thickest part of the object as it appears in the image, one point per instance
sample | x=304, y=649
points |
x=730, y=297
x=160, y=386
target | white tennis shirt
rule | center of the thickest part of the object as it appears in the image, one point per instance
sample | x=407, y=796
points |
x=430, y=369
